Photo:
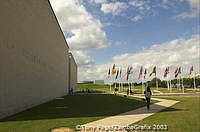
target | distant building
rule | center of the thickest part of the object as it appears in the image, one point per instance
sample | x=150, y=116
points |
x=36, y=65
x=87, y=82
x=99, y=82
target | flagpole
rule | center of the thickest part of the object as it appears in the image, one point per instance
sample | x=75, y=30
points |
x=167, y=82
x=182, y=81
x=129, y=87
x=156, y=78
x=110, y=83
x=114, y=81
x=142, y=86
x=119, y=84
x=122, y=85
x=170, y=85
x=194, y=81
x=183, y=86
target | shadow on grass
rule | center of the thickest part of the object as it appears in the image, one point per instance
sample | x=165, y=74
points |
x=84, y=105
x=173, y=109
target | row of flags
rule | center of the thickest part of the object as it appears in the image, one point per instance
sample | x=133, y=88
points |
x=143, y=72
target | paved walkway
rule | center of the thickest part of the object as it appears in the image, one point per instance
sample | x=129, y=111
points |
x=133, y=116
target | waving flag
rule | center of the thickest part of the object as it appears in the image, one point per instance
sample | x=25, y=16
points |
x=145, y=73
x=128, y=72
x=117, y=74
x=176, y=72
x=191, y=70
x=141, y=72
x=166, y=72
x=113, y=70
x=154, y=71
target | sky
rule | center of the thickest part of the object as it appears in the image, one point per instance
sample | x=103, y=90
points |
x=134, y=33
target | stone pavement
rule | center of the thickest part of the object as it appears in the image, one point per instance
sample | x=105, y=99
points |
x=130, y=117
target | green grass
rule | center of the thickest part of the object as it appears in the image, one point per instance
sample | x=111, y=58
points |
x=93, y=87
x=137, y=89
x=77, y=109
x=182, y=117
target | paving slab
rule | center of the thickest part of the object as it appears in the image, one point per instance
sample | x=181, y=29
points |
x=133, y=116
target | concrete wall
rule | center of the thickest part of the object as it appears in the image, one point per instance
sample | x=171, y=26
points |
x=34, y=59
x=72, y=72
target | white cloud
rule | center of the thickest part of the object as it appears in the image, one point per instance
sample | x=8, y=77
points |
x=87, y=31
x=114, y=8
x=99, y=1
x=83, y=60
x=136, y=18
x=179, y=52
x=137, y=3
x=194, y=9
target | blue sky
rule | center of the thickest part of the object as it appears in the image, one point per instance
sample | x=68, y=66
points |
x=128, y=36
x=103, y=32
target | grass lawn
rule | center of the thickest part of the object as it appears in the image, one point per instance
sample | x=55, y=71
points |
x=68, y=112
x=182, y=117
x=93, y=87
x=137, y=89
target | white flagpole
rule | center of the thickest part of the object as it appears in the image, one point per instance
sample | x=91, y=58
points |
x=110, y=86
x=180, y=82
x=167, y=82
x=183, y=86
x=114, y=81
x=142, y=85
x=194, y=81
x=170, y=85
x=110, y=82
x=129, y=87
x=156, y=82
x=122, y=82
x=119, y=84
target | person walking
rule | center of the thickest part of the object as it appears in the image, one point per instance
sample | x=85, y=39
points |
x=148, y=94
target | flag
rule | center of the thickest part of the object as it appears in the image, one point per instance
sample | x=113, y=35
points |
x=113, y=70
x=117, y=74
x=128, y=72
x=145, y=73
x=109, y=72
x=166, y=72
x=154, y=71
x=191, y=70
x=176, y=72
x=141, y=72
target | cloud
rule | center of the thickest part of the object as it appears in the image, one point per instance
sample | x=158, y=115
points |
x=82, y=31
x=137, y=3
x=180, y=52
x=83, y=60
x=114, y=8
x=194, y=9
x=99, y=1
x=136, y=18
